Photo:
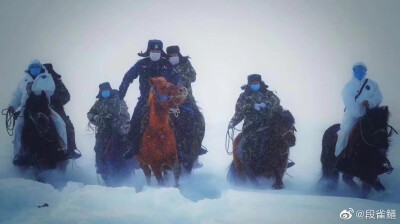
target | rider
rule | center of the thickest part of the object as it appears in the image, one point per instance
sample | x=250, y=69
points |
x=36, y=80
x=251, y=107
x=107, y=107
x=187, y=75
x=154, y=64
x=60, y=98
x=358, y=94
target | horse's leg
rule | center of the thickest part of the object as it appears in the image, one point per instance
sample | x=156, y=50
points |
x=158, y=173
x=350, y=182
x=278, y=180
x=366, y=189
x=177, y=173
x=147, y=172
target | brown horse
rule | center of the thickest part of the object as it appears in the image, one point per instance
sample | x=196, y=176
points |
x=270, y=161
x=158, y=151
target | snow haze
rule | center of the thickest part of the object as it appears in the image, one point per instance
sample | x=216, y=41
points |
x=304, y=51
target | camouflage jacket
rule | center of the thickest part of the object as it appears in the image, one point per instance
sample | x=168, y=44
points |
x=107, y=110
x=186, y=73
x=254, y=119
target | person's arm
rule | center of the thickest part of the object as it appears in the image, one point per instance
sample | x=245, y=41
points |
x=353, y=107
x=15, y=99
x=93, y=114
x=273, y=100
x=242, y=109
x=61, y=95
x=189, y=74
x=131, y=75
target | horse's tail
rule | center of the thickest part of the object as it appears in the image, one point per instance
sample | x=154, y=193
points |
x=328, y=158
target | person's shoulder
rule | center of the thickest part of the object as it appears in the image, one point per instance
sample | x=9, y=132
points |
x=372, y=82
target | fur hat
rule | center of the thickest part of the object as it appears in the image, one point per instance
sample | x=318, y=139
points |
x=176, y=50
x=153, y=45
x=103, y=87
x=254, y=78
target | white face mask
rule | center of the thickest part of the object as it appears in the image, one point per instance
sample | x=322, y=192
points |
x=155, y=56
x=174, y=60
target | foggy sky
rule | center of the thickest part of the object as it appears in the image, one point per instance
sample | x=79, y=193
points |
x=303, y=49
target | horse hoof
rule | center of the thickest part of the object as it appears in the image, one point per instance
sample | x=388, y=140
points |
x=278, y=186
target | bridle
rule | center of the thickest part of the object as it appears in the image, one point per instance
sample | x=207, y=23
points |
x=290, y=131
x=382, y=130
x=40, y=115
x=161, y=98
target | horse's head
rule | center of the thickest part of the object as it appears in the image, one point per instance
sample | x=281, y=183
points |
x=285, y=127
x=374, y=127
x=38, y=111
x=166, y=94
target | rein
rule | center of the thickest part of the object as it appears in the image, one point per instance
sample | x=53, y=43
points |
x=10, y=121
x=228, y=142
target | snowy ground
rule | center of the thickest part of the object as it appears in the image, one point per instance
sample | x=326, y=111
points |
x=204, y=197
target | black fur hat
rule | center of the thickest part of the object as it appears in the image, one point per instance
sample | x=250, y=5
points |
x=103, y=87
x=254, y=78
x=176, y=50
x=153, y=45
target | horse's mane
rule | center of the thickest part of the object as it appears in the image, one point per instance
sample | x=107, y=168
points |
x=378, y=113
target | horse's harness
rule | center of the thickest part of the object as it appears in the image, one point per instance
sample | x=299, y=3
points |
x=41, y=115
x=161, y=98
x=382, y=130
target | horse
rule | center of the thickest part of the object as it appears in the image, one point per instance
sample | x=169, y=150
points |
x=158, y=149
x=365, y=155
x=189, y=130
x=115, y=169
x=271, y=158
x=41, y=148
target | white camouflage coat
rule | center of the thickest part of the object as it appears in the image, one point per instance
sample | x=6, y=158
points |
x=354, y=108
x=43, y=82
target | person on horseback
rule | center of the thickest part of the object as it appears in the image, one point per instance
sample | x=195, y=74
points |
x=154, y=64
x=102, y=114
x=253, y=107
x=36, y=80
x=359, y=94
x=187, y=75
x=60, y=98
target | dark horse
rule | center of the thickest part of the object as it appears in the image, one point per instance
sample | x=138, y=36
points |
x=189, y=129
x=365, y=155
x=115, y=169
x=40, y=141
x=271, y=159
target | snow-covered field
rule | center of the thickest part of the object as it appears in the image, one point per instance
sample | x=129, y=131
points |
x=304, y=50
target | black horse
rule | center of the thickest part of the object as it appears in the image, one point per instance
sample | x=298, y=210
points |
x=365, y=155
x=41, y=147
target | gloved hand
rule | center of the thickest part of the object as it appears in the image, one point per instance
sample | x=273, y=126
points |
x=257, y=106
x=108, y=116
x=264, y=105
x=230, y=126
x=96, y=119
x=11, y=110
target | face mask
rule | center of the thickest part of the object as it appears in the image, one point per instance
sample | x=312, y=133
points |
x=174, y=60
x=35, y=71
x=360, y=74
x=155, y=56
x=106, y=94
x=255, y=87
